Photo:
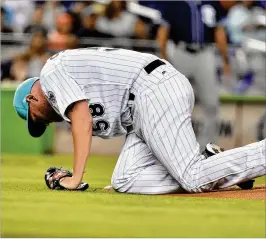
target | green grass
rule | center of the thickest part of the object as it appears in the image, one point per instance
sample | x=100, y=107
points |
x=29, y=209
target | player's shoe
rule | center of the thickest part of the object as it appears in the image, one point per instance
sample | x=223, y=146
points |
x=213, y=149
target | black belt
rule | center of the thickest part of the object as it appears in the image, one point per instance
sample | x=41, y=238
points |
x=194, y=50
x=149, y=69
x=153, y=65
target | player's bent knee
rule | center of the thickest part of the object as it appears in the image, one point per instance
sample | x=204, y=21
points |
x=193, y=185
x=120, y=188
x=119, y=185
x=194, y=188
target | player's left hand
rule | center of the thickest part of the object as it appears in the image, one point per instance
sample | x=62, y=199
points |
x=62, y=179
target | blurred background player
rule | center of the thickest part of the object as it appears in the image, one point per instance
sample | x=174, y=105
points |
x=193, y=27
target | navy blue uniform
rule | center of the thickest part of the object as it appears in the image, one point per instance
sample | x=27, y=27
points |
x=185, y=22
x=193, y=22
x=190, y=52
x=213, y=14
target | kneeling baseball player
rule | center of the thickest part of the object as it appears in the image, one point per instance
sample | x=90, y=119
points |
x=109, y=92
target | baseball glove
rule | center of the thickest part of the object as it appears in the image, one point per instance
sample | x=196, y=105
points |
x=52, y=179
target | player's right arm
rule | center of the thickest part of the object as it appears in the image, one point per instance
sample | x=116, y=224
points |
x=222, y=45
x=81, y=127
x=209, y=18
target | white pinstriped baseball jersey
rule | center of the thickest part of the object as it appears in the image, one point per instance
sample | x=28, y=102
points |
x=103, y=76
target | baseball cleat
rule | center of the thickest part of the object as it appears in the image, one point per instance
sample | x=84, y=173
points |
x=246, y=185
x=213, y=149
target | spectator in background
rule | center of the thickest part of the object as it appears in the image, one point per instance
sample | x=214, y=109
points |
x=78, y=6
x=50, y=9
x=4, y=27
x=62, y=38
x=76, y=13
x=30, y=63
x=247, y=20
x=120, y=23
x=21, y=12
x=36, y=24
x=76, y=21
x=244, y=20
x=90, y=14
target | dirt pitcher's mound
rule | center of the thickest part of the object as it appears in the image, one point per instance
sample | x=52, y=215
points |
x=257, y=193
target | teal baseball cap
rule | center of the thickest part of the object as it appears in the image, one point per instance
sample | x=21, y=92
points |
x=22, y=107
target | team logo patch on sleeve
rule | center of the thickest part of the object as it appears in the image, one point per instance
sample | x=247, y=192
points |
x=51, y=97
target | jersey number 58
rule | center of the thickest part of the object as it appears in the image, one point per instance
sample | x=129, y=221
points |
x=97, y=110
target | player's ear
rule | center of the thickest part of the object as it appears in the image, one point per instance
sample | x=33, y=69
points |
x=30, y=98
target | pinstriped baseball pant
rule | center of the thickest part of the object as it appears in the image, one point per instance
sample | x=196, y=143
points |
x=162, y=154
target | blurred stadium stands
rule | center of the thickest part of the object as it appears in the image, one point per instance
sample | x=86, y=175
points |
x=127, y=24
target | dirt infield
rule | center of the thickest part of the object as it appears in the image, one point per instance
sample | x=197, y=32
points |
x=257, y=193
